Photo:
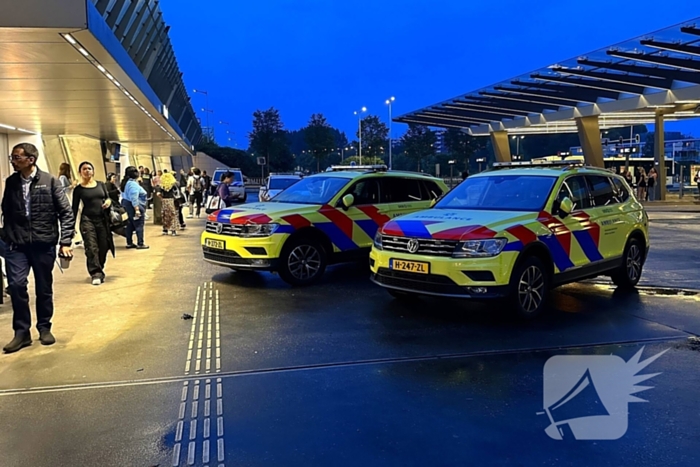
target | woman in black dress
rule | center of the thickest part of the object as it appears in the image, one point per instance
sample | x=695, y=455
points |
x=94, y=224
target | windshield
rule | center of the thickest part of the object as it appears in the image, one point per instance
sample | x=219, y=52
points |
x=282, y=183
x=312, y=190
x=500, y=193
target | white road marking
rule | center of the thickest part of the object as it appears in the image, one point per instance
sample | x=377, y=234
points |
x=205, y=322
x=176, y=455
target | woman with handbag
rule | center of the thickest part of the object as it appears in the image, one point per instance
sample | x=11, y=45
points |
x=134, y=201
x=166, y=192
x=94, y=221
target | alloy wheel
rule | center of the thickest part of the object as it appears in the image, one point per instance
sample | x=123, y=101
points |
x=634, y=262
x=304, y=262
x=531, y=289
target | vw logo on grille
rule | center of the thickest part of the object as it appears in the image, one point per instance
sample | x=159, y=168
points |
x=219, y=228
x=412, y=245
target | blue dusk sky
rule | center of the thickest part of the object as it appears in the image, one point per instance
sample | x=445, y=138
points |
x=333, y=57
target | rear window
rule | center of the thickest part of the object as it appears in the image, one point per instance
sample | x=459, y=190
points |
x=282, y=183
x=237, y=176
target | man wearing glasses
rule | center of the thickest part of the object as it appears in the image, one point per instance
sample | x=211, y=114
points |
x=32, y=206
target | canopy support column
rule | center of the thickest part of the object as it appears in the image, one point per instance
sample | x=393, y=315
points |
x=501, y=146
x=659, y=157
x=589, y=136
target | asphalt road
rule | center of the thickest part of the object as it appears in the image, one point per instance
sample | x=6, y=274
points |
x=334, y=374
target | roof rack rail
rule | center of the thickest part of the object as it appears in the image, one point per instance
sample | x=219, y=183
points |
x=359, y=168
x=538, y=163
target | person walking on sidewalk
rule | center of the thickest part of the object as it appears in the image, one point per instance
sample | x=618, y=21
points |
x=651, y=184
x=134, y=201
x=166, y=192
x=94, y=225
x=37, y=217
x=195, y=187
x=223, y=189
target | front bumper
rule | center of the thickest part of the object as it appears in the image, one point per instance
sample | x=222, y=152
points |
x=239, y=252
x=448, y=277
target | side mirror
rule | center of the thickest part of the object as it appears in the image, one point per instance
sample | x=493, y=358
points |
x=433, y=202
x=347, y=201
x=565, y=207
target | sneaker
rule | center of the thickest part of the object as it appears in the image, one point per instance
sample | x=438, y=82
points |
x=46, y=337
x=183, y=226
x=96, y=281
x=143, y=247
x=19, y=342
x=131, y=246
x=174, y=233
x=165, y=232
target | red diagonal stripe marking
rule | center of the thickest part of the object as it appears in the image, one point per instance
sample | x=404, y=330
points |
x=561, y=231
x=522, y=233
x=297, y=221
x=338, y=218
x=373, y=213
x=392, y=228
x=251, y=219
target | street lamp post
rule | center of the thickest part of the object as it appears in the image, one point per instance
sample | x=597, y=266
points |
x=359, y=126
x=206, y=94
x=517, y=143
x=389, y=102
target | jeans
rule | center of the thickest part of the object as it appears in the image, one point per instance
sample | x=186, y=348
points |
x=134, y=224
x=19, y=260
x=196, y=198
x=95, y=233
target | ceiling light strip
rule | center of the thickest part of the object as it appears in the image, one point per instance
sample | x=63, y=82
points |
x=71, y=40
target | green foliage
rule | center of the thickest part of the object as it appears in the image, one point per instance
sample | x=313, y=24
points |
x=268, y=139
x=374, y=136
x=370, y=160
x=419, y=143
x=463, y=146
x=319, y=138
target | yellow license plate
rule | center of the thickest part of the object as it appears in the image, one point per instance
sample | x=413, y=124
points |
x=410, y=266
x=217, y=244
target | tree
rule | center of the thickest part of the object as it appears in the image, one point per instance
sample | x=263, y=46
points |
x=370, y=160
x=464, y=146
x=230, y=157
x=320, y=138
x=374, y=136
x=268, y=139
x=418, y=143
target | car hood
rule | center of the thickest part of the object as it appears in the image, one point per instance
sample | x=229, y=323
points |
x=456, y=224
x=261, y=213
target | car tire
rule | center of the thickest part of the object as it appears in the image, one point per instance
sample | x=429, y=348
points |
x=529, y=288
x=303, y=261
x=628, y=274
x=401, y=295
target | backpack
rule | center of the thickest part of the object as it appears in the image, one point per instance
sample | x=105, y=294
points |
x=198, y=184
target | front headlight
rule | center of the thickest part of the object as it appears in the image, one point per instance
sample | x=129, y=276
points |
x=378, y=240
x=259, y=230
x=479, y=248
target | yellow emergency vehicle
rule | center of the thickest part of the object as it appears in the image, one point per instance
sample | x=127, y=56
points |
x=325, y=218
x=516, y=231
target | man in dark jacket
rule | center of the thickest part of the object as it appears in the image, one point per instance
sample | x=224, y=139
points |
x=33, y=205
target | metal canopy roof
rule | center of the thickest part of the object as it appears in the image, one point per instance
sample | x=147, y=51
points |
x=625, y=84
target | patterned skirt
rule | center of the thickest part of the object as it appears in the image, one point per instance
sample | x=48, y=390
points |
x=169, y=214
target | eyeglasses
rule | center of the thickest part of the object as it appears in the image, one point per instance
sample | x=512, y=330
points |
x=17, y=158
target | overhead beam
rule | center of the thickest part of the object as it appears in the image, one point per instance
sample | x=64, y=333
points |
x=445, y=116
x=564, y=98
x=490, y=116
x=592, y=83
x=510, y=104
x=670, y=75
x=487, y=108
x=529, y=100
x=649, y=82
x=671, y=47
x=566, y=89
x=431, y=122
x=691, y=30
x=684, y=63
